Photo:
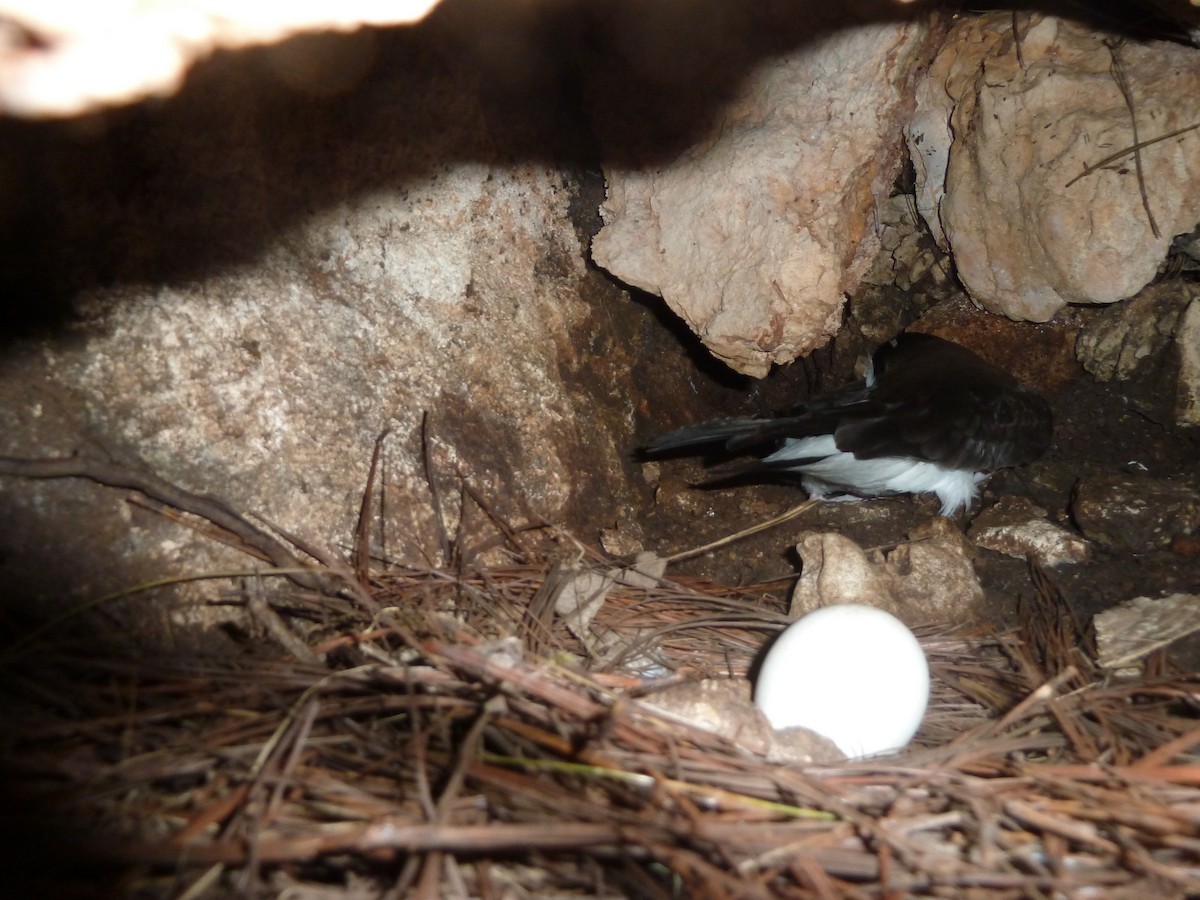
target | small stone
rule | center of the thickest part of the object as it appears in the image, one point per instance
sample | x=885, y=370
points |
x=622, y=539
x=1015, y=527
x=724, y=707
x=926, y=580
x=1136, y=628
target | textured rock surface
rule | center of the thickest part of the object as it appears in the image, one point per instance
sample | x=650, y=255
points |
x=724, y=707
x=1000, y=133
x=930, y=579
x=1136, y=628
x=1015, y=527
x=1136, y=514
x=1188, y=342
x=908, y=255
x=1113, y=345
x=243, y=288
x=755, y=234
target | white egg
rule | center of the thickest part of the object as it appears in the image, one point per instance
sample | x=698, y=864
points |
x=852, y=673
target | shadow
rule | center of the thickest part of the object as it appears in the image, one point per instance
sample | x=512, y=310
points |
x=256, y=141
x=1143, y=21
x=700, y=358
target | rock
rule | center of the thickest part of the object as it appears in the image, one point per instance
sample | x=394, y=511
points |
x=1187, y=341
x=1113, y=345
x=929, y=579
x=1001, y=132
x=581, y=592
x=908, y=254
x=756, y=233
x=1015, y=527
x=242, y=290
x=1135, y=514
x=724, y=707
x=1136, y=628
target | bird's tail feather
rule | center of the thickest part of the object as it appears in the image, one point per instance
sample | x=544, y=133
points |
x=720, y=432
x=755, y=469
x=772, y=431
x=739, y=435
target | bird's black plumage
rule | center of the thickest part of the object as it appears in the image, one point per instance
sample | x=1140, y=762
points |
x=932, y=416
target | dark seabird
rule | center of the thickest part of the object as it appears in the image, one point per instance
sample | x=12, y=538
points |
x=930, y=417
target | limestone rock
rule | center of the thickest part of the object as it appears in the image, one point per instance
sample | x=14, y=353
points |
x=909, y=256
x=755, y=234
x=1015, y=527
x=928, y=580
x=1136, y=628
x=1001, y=132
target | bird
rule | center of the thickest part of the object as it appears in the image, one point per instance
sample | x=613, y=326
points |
x=930, y=417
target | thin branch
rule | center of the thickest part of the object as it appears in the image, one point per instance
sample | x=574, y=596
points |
x=214, y=510
x=434, y=494
x=362, y=530
x=752, y=530
x=386, y=834
x=1016, y=30
x=1133, y=148
x=1118, y=74
x=260, y=609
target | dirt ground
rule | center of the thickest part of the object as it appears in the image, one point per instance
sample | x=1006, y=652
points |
x=1100, y=429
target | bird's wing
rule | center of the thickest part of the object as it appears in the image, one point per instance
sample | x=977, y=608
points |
x=717, y=432
x=820, y=415
x=930, y=400
x=817, y=416
x=971, y=421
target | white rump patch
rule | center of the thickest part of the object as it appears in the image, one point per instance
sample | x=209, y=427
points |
x=836, y=471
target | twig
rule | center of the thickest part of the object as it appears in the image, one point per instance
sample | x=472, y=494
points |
x=1040, y=696
x=538, y=615
x=1133, y=148
x=387, y=834
x=1118, y=74
x=362, y=529
x=216, y=511
x=468, y=750
x=205, y=883
x=13, y=650
x=754, y=529
x=434, y=494
x=710, y=796
x=300, y=735
x=508, y=532
x=416, y=866
x=352, y=589
x=260, y=609
x=1016, y=30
